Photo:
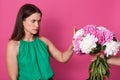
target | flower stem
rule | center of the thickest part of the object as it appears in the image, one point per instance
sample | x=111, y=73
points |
x=99, y=69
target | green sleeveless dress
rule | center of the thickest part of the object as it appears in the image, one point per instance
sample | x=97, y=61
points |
x=33, y=61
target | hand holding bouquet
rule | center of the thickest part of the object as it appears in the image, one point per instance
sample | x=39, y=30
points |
x=91, y=40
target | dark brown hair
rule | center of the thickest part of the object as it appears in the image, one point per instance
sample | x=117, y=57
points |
x=25, y=11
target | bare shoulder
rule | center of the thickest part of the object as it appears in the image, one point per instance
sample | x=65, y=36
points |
x=13, y=43
x=12, y=46
x=45, y=40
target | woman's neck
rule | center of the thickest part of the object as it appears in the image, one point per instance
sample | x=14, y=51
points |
x=28, y=38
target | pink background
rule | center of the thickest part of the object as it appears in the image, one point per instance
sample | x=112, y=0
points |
x=59, y=18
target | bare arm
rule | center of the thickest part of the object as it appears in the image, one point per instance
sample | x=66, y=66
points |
x=11, y=59
x=114, y=60
x=57, y=54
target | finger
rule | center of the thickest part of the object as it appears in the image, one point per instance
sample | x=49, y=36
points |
x=74, y=30
x=93, y=57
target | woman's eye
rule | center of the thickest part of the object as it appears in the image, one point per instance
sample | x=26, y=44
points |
x=33, y=21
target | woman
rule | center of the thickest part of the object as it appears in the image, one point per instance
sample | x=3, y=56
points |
x=27, y=53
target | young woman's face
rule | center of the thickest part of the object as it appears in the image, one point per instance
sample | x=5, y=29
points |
x=31, y=23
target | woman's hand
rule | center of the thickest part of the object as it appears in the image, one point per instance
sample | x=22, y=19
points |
x=94, y=56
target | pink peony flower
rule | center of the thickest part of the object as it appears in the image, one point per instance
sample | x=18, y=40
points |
x=90, y=29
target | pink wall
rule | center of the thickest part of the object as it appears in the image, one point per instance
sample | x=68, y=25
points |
x=59, y=18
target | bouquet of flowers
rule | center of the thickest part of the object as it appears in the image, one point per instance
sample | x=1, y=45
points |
x=93, y=39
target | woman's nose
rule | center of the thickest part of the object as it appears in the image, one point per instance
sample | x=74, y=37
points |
x=37, y=24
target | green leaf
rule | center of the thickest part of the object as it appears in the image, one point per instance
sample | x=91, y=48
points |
x=103, y=47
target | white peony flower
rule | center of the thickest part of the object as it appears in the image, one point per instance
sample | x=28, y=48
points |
x=79, y=33
x=101, y=28
x=88, y=43
x=112, y=48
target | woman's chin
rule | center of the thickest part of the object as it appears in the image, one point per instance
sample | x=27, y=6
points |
x=34, y=32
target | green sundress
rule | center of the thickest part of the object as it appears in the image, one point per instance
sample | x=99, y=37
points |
x=33, y=61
